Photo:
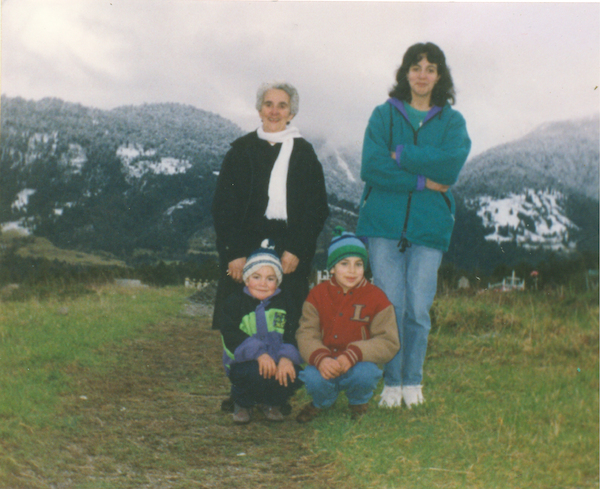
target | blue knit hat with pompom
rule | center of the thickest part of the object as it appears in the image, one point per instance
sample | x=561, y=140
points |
x=264, y=256
x=343, y=245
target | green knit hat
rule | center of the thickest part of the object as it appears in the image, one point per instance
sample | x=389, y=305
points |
x=343, y=245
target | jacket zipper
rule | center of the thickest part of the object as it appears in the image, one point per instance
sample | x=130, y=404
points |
x=404, y=242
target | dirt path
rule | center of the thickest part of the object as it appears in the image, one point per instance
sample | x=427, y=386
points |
x=155, y=422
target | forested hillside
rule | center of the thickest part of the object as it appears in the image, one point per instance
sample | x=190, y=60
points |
x=68, y=173
x=561, y=155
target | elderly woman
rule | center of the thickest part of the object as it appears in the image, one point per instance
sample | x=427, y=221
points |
x=271, y=185
x=414, y=148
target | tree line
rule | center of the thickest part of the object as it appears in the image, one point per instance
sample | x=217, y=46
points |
x=555, y=271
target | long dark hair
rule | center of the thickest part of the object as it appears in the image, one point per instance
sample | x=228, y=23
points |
x=444, y=89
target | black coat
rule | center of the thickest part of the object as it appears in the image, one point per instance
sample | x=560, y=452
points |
x=239, y=204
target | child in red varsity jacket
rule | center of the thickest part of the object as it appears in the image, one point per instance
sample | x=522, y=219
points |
x=348, y=326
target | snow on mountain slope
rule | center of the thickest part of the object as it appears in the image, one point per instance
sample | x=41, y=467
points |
x=534, y=219
x=22, y=199
x=344, y=166
x=138, y=162
x=341, y=167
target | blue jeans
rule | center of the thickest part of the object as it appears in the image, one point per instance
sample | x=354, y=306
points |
x=409, y=280
x=359, y=383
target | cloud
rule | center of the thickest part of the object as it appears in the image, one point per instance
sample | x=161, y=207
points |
x=515, y=65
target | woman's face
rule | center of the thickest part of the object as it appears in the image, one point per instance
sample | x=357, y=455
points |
x=422, y=77
x=275, y=111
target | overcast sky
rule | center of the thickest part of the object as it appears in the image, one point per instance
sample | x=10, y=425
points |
x=515, y=65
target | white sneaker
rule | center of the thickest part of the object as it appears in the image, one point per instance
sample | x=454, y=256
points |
x=412, y=395
x=391, y=397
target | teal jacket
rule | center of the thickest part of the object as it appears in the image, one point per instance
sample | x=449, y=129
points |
x=437, y=150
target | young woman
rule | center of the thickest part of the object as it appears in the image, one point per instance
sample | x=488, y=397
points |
x=414, y=148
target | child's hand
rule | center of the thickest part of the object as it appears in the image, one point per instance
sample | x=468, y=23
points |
x=266, y=366
x=285, y=369
x=330, y=368
x=344, y=363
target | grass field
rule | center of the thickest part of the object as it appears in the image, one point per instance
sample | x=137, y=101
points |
x=36, y=247
x=120, y=388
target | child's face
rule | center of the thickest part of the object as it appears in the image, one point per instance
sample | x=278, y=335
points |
x=262, y=283
x=349, y=272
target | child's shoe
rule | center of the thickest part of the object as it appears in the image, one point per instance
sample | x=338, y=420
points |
x=241, y=415
x=391, y=396
x=272, y=413
x=357, y=410
x=227, y=405
x=413, y=395
x=308, y=413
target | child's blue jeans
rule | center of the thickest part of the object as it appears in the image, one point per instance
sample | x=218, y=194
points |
x=359, y=383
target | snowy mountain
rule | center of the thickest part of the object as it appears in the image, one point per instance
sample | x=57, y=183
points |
x=131, y=180
x=560, y=155
x=538, y=194
x=139, y=181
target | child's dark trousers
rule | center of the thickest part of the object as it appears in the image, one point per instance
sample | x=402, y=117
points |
x=250, y=388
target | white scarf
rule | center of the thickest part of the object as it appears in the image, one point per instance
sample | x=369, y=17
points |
x=277, y=207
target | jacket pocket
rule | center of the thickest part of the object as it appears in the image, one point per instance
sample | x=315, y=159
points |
x=447, y=200
x=366, y=196
x=383, y=215
x=431, y=220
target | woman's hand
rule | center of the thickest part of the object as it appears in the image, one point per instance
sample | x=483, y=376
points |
x=330, y=368
x=235, y=269
x=438, y=187
x=285, y=369
x=266, y=366
x=289, y=262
